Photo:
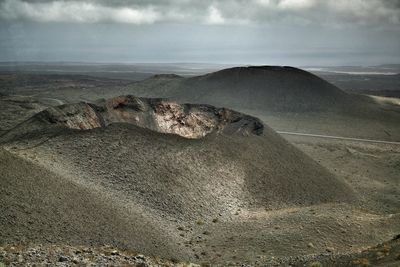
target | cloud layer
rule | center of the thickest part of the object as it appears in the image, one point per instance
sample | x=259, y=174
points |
x=334, y=13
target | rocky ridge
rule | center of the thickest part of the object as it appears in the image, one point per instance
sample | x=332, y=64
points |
x=165, y=116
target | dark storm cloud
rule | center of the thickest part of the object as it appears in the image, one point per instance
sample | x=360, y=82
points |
x=335, y=13
x=292, y=32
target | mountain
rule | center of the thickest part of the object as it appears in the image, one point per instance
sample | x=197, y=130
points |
x=155, y=176
x=260, y=87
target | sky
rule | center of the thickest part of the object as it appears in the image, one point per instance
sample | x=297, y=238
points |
x=275, y=32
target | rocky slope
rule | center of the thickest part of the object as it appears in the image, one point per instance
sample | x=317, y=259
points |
x=383, y=255
x=188, y=182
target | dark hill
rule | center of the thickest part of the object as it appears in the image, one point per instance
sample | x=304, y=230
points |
x=266, y=88
x=270, y=88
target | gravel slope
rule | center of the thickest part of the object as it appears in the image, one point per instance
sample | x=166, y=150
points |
x=164, y=194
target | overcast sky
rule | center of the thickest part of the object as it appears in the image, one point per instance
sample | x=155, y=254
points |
x=283, y=32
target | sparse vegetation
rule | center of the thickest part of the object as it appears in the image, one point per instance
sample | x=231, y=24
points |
x=363, y=262
x=315, y=264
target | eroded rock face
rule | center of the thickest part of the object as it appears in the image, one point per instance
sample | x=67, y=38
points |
x=77, y=116
x=165, y=116
x=171, y=118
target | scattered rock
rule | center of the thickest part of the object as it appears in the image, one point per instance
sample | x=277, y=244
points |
x=140, y=257
x=20, y=258
x=56, y=255
x=330, y=249
x=62, y=259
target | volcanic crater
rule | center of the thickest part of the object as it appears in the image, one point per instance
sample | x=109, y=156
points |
x=187, y=120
